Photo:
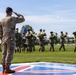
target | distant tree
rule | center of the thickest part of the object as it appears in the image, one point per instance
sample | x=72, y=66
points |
x=25, y=28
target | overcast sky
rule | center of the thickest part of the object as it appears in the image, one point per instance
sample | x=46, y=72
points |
x=51, y=15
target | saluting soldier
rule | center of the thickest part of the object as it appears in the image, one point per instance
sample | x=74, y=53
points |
x=51, y=38
x=8, y=40
x=62, y=41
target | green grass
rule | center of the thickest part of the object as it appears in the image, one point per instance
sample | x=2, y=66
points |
x=68, y=56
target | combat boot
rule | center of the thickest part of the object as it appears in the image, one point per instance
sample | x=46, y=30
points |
x=3, y=66
x=8, y=70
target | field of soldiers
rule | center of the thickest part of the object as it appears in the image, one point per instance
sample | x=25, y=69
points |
x=36, y=48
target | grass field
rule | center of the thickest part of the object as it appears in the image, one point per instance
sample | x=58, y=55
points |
x=68, y=56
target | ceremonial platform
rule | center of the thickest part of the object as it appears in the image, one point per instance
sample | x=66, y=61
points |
x=42, y=68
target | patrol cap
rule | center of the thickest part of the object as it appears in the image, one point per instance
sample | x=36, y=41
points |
x=44, y=30
x=40, y=29
x=51, y=32
x=61, y=31
x=9, y=9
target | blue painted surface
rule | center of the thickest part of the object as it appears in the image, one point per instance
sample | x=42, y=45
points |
x=44, y=68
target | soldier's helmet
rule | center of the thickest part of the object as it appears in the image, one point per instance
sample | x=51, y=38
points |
x=9, y=9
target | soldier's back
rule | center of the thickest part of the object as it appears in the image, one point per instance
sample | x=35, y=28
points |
x=8, y=27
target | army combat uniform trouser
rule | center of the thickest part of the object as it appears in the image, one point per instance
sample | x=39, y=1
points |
x=52, y=46
x=7, y=52
x=42, y=47
x=62, y=46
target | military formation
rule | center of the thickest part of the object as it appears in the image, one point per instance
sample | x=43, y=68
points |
x=27, y=41
x=30, y=39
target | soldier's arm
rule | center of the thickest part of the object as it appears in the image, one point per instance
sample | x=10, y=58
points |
x=0, y=23
x=40, y=34
x=20, y=18
x=44, y=34
x=28, y=35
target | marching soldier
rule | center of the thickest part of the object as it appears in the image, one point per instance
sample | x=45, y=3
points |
x=56, y=38
x=44, y=32
x=74, y=40
x=44, y=37
x=33, y=41
x=51, y=38
x=8, y=40
x=18, y=40
x=66, y=38
x=62, y=41
x=29, y=41
x=24, y=45
x=41, y=38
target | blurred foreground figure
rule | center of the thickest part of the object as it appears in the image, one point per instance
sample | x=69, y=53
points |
x=8, y=40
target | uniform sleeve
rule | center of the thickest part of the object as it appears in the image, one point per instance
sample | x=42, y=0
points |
x=19, y=18
x=1, y=30
x=0, y=23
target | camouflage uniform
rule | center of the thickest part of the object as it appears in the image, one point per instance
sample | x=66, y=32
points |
x=18, y=40
x=66, y=38
x=51, y=41
x=56, y=38
x=74, y=33
x=24, y=45
x=62, y=41
x=75, y=42
x=1, y=35
x=41, y=38
x=29, y=41
x=33, y=41
x=8, y=41
x=1, y=32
